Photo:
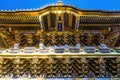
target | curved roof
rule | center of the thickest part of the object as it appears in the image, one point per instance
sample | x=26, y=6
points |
x=63, y=5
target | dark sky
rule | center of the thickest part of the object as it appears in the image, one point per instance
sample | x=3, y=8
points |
x=83, y=4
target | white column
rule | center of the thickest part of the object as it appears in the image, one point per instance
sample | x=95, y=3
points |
x=41, y=23
x=78, y=24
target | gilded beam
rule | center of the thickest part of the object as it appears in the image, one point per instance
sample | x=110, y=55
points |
x=45, y=55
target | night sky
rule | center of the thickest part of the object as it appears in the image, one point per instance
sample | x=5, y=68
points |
x=83, y=4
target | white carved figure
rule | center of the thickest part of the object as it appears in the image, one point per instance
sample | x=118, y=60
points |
x=16, y=46
x=42, y=46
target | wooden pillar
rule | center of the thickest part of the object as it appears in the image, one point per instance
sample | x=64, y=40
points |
x=49, y=21
x=17, y=62
x=70, y=19
x=118, y=66
x=84, y=67
x=1, y=67
x=102, y=66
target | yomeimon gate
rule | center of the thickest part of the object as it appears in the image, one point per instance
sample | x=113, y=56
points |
x=59, y=41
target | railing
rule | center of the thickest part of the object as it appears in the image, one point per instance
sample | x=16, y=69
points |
x=61, y=51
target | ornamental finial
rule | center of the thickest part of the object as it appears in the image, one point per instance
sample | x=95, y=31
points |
x=59, y=2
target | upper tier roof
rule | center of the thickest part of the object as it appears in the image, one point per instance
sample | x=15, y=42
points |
x=59, y=4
